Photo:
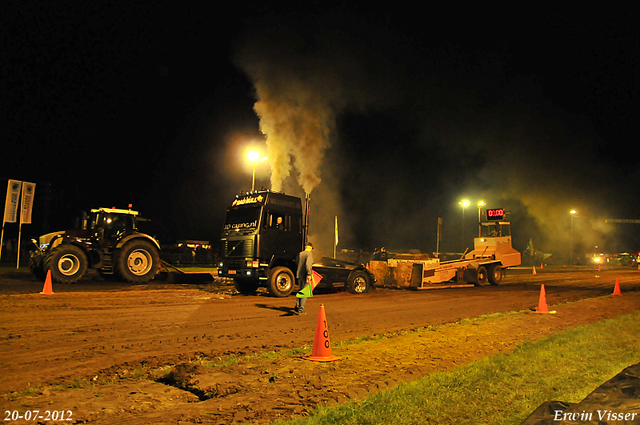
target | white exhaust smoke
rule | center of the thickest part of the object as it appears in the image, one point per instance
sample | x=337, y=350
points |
x=297, y=125
x=303, y=82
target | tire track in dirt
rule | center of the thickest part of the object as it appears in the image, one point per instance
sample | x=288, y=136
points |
x=283, y=386
x=93, y=329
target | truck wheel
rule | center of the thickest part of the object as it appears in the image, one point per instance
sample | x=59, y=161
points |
x=68, y=264
x=281, y=281
x=137, y=262
x=482, y=276
x=358, y=283
x=495, y=274
x=246, y=287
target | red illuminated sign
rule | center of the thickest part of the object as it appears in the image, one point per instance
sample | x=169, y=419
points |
x=495, y=214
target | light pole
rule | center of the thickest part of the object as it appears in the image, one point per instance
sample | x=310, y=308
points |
x=480, y=205
x=254, y=158
x=464, y=204
x=573, y=213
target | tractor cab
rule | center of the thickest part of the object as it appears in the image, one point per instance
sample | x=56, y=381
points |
x=110, y=224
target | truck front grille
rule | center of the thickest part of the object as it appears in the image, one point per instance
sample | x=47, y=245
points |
x=235, y=263
x=238, y=248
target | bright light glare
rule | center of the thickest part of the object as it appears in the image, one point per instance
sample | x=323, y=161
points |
x=253, y=156
x=573, y=212
x=481, y=204
x=465, y=203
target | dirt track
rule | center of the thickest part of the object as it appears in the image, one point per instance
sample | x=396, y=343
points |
x=101, y=330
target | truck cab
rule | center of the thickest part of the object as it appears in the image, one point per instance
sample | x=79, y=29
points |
x=261, y=238
x=263, y=234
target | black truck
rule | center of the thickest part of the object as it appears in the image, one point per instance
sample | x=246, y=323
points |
x=263, y=233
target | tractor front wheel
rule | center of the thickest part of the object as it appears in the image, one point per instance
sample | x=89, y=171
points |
x=68, y=264
x=37, y=269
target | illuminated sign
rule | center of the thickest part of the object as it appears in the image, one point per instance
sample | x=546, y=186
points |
x=495, y=214
x=248, y=200
x=238, y=226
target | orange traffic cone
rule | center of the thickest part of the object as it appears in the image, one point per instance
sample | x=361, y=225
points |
x=47, y=289
x=321, y=351
x=534, y=270
x=542, y=265
x=616, y=290
x=599, y=269
x=542, y=302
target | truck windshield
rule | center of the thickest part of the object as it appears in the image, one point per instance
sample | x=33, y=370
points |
x=242, y=219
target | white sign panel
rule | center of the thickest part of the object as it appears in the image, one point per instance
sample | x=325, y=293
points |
x=11, y=203
x=28, y=191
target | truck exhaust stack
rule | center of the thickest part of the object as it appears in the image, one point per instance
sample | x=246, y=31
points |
x=307, y=213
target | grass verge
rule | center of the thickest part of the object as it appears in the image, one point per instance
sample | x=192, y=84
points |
x=504, y=388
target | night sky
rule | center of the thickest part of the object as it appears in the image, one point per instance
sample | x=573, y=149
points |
x=394, y=115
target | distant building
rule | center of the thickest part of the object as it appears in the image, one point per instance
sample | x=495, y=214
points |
x=188, y=252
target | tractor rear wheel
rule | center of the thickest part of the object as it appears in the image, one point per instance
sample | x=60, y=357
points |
x=137, y=261
x=68, y=263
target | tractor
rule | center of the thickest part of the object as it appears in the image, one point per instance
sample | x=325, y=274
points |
x=108, y=240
